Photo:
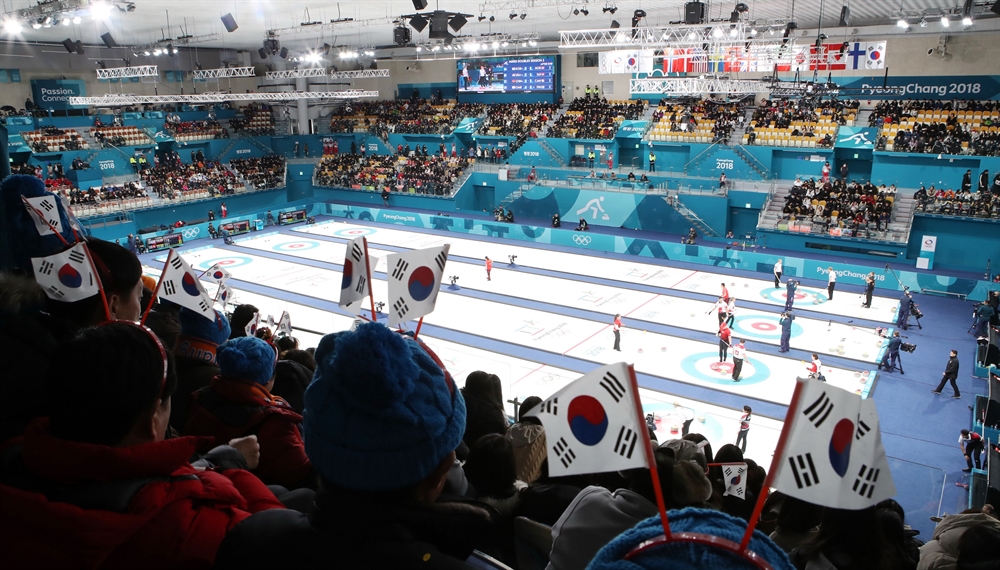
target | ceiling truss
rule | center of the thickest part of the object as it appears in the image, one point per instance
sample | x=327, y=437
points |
x=222, y=73
x=218, y=97
x=122, y=72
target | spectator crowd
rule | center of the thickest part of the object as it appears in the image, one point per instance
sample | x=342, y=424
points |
x=194, y=443
x=263, y=173
x=594, y=118
x=417, y=172
x=856, y=206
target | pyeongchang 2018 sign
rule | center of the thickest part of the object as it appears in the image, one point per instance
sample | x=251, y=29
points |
x=923, y=87
x=54, y=94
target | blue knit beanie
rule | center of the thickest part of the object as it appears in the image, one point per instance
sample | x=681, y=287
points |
x=688, y=555
x=247, y=358
x=23, y=240
x=380, y=413
x=194, y=325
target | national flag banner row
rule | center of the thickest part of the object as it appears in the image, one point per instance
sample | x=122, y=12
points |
x=592, y=425
x=179, y=284
x=625, y=61
x=751, y=57
x=833, y=455
x=414, y=281
x=68, y=275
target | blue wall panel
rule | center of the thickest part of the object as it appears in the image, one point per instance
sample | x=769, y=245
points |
x=962, y=244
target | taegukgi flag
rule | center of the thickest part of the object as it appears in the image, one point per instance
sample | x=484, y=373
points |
x=178, y=284
x=216, y=274
x=285, y=324
x=833, y=455
x=67, y=276
x=735, y=476
x=592, y=425
x=251, y=328
x=356, y=284
x=223, y=294
x=414, y=280
x=44, y=213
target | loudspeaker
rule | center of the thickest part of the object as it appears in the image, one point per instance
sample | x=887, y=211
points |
x=457, y=22
x=69, y=45
x=262, y=53
x=418, y=23
x=615, y=25
x=79, y=47
x=230, y=23
x=283, y=53
x=419, y=4
x=995, y=8
x=845, y=16
x=108, y=40
x=401, y=36
x=694, y=12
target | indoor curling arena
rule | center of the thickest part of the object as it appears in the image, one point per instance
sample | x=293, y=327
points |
x=519, y=285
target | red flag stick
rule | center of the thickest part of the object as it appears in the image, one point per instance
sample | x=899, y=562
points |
x=776, y=459
x=100, y=286
x=368, y=270
x=157, y=289
x=647, y=446
x=419, y=323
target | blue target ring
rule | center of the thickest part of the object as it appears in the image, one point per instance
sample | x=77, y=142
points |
x=803, y=298
x=355, y=232
x=295, y=246
x=763, y=327
x=227, y=262
x=690, y=365
x=711, y=429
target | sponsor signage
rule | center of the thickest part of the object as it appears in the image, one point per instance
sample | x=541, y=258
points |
x=944, y=87
x=54, y=94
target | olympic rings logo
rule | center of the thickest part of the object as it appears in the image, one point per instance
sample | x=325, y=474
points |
x=581, y=240
x=190, y=233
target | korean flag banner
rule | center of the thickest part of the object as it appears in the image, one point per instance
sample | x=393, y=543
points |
x=592, y=425
x=414, y=281
x=285, y=324
x=223, y=294
x=833, y=455
x=44, y=206
x=735, y=477
x=216, y=274
x=67, y=276
x=355, y=284
x=253, y=325
x=178, y=284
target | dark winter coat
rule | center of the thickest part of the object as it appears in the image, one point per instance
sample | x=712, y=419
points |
x=68, y=504
x=347, y=531
x=229, y=408
x=290, y=382
x=484, y=407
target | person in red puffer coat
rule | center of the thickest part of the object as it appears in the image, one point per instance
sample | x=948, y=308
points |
x=239, y=403
x=96, y=485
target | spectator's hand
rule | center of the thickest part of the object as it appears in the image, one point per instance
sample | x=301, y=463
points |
x=249, y=448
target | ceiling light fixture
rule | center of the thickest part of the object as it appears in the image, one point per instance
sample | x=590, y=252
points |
x=576, y=11
x=523, y=16
x=100, y=11
x=77, y=20
x=481, y=18
x=923, y=22
x=585, y=11
x=902, y=23
x=945, y=22
x=513, y=15
x=12, y=27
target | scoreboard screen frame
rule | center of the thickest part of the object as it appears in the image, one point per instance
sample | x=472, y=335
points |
x=297, y=216
x=236, y=227
x=474, y=65
x=160, y=243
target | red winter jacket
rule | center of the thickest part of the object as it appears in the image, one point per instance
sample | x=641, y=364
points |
x=230, y=408
x=66, y=504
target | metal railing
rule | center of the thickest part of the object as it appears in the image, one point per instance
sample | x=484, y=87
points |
x=757, y=165
x=699, y=156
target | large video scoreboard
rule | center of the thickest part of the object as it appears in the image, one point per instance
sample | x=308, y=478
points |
x=507, y=75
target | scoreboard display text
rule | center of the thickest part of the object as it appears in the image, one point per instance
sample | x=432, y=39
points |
x=164, y=242
x=507, y=75
x=293, y=217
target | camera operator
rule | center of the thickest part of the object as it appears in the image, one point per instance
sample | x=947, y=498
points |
x=891, y=356
x=984, y=313
x=582, y=226
x=692, y=235
x=906, y=305
x=556, y=222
